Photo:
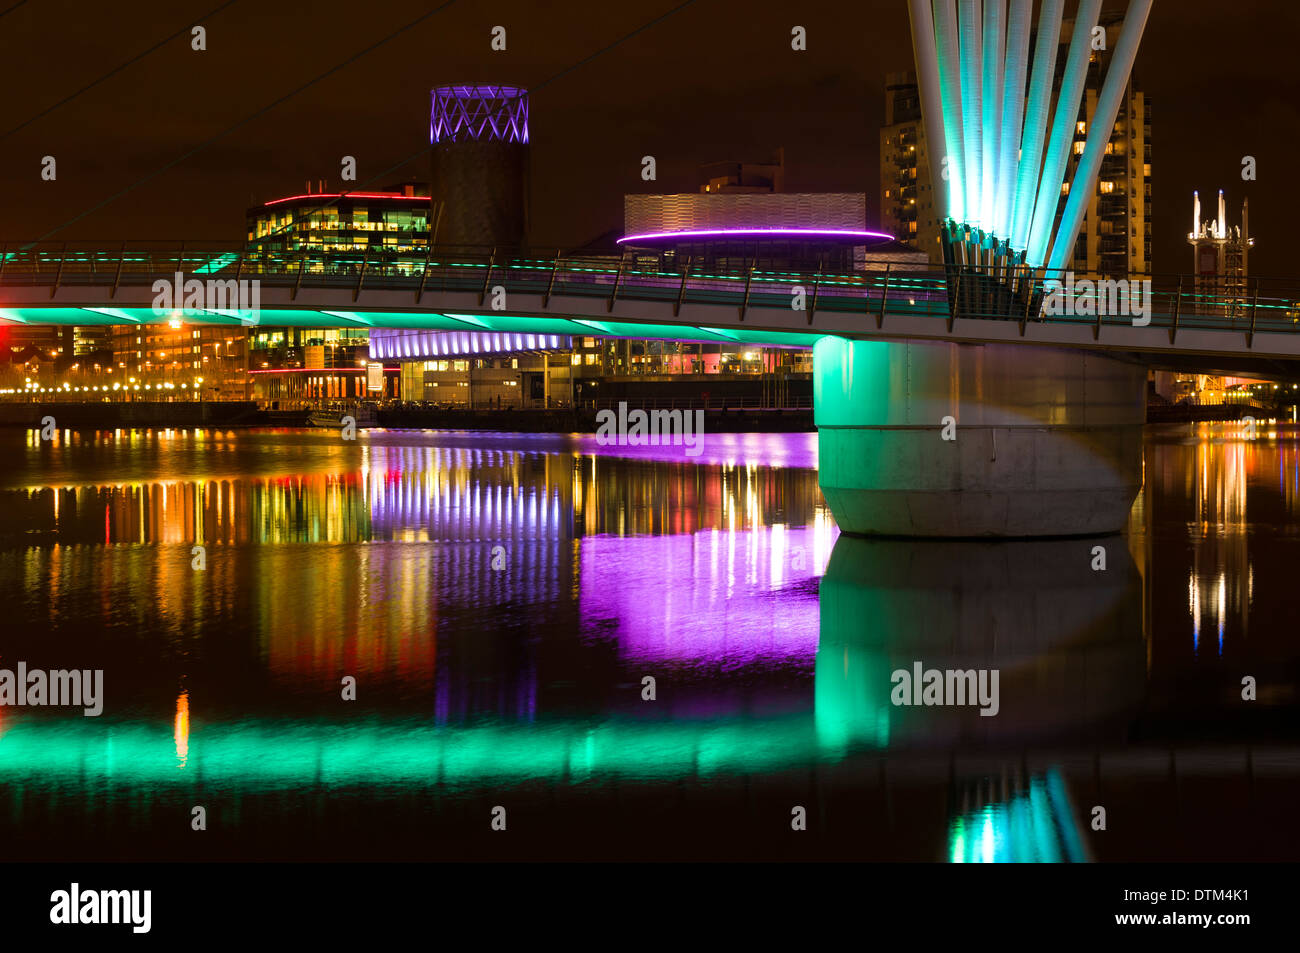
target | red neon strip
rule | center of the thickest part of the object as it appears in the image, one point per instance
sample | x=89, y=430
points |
x=351, y=195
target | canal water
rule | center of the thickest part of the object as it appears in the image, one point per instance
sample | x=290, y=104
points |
x=450, y=645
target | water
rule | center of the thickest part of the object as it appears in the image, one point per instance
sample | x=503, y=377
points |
x=501, y=600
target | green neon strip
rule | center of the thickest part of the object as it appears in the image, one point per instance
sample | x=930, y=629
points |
x=430, y=321
x=118, y=313
x=372, y=751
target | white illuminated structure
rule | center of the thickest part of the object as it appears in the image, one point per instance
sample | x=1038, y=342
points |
x=1000, y=145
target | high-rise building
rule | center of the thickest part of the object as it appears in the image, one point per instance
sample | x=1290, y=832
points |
x=1116, y=234
x=907, y=199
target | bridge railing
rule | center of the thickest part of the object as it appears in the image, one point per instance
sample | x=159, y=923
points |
x=881, y=288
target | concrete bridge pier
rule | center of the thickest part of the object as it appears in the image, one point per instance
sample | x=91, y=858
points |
x=1044, y=441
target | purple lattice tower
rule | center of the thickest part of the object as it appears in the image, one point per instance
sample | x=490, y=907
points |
x=478, y=138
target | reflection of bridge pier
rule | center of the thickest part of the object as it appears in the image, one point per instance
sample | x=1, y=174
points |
x=1067, y=641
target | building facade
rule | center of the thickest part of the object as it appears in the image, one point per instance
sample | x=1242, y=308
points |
x=907, y=199
x=393, y=220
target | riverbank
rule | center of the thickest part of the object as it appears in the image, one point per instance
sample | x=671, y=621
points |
x=109, y=416
x=150, y=414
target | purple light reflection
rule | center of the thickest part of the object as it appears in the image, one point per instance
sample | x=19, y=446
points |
x=735, y=598
x=725, y=449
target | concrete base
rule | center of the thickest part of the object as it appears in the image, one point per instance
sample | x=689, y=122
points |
x=1043, y=442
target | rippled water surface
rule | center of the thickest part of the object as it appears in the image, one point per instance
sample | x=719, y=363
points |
x=503, y=601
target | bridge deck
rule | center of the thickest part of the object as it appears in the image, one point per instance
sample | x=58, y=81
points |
x=584, y=295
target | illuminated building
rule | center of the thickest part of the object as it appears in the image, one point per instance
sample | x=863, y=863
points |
x=308, y=364
x=1221, y=258
x=37, y=344
x=1220, y=270
x=180, y=359
x=736, y=230
x=740, y=220
x=395, y=220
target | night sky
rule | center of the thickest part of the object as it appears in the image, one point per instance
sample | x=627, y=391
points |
x=715, y=80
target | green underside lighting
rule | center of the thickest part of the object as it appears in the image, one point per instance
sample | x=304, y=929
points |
x=427, y=321
x=372, y=751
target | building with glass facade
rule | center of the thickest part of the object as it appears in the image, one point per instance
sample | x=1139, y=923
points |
x=394, y=220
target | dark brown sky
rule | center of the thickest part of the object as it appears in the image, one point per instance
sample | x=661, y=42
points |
x=717, y=80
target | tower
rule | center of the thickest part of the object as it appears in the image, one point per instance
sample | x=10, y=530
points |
x=478, y=139
x=1220, y=259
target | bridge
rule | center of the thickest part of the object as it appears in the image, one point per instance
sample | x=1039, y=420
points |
x=1042, y=439
x=573, y=294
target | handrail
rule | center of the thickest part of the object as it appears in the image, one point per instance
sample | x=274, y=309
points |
x=1177, y=302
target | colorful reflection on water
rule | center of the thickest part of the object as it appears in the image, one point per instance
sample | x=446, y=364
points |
x=501, y=600
x=1035, y=823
